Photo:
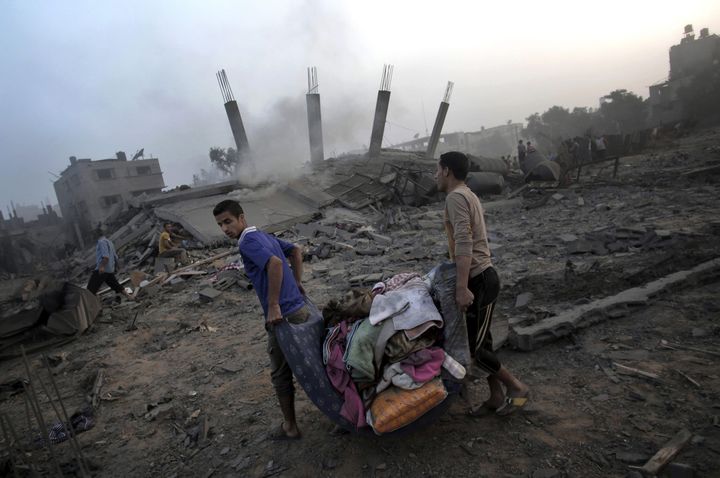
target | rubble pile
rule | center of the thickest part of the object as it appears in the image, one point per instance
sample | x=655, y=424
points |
x=594, y=275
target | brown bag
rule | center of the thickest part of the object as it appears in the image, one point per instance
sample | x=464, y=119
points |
x=395, y=407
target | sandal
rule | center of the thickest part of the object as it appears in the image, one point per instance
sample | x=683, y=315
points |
x=513, y=404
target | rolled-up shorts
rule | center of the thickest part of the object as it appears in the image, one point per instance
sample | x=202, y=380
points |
x=280, y=373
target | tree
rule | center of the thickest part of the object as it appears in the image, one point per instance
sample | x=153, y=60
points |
x=623, y=112
x=224, y=160
x=583, y=119
x=557, y=119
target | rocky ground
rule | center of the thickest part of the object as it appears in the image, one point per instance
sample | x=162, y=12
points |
x=187, y=392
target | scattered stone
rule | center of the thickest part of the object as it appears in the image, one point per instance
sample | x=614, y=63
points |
x=161, y=411
x=225, y=451
x=177, y=283
x=523, y=300
x=698, y=332
x=631, y=458
x=330, y=463
x=384, y=240
x=580, y=201
x=381, y=467
x=558, y=197
x=209, y=294
x=568, y=237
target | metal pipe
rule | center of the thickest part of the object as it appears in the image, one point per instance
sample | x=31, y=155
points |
x=41, y=423
x=64, y=418
x=13, y=462
x=33, y=461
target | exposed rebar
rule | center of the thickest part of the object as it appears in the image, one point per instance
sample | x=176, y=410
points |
x=35, y=407
x=386, y=78
x=312, y=80
x=448, y=91
x=225, y=89
x=33, y=460
x=6, y=436
x=64, y=418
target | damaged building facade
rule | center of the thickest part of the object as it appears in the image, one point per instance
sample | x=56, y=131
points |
x=495, y=141
x=23, y=245
x=688, y=58
x=90, y=191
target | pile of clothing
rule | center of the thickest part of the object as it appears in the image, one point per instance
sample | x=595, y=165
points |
x=383, y=353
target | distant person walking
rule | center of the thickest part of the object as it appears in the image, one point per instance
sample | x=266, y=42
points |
x=600, y=147
x=530, y=148
x=106, y=261
x=521, y=153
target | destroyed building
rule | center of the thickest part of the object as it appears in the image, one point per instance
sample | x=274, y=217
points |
x=89, y=191
x=687, y=59
x=496, y=141
x=23, y=244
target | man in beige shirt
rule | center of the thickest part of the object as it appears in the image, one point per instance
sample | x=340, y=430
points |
x=477, y=283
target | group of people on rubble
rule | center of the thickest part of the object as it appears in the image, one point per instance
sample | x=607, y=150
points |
x=106, y=259
x=275, y=268
x=596, y=149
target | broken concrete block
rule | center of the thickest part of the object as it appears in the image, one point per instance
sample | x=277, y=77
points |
x=580, y=201
x=429, y=224
x=319, y=270
x=384, y=240
x=177, y=283
x=150, y=290
x=306, y=230
x=523, y=299
x=580, y=246
x=568, y=237
x=631, y=458
x=209, y=294
x=550, y=329
x=558, y=197
x=164, y=264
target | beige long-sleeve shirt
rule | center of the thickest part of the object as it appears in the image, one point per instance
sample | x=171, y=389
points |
x=465, y=228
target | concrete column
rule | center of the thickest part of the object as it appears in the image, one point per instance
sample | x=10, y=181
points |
x=236, y=125
x=317, y=152
x=233, y=114
x=378, y=129
x=437, y=130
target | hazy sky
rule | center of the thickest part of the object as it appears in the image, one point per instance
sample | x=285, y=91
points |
x=89, y=78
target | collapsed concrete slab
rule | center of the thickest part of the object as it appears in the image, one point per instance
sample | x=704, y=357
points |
x=488, y=165
x=270, y=210
x=485, y=183
x=620, y=305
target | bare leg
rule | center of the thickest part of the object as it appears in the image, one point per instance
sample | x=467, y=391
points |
x=497, y=395
x=515, y=388
x=287, y=406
